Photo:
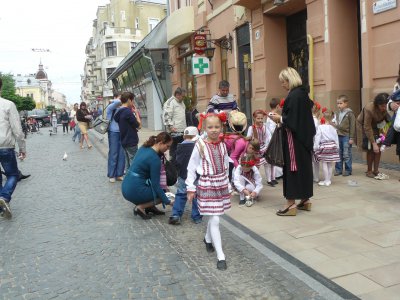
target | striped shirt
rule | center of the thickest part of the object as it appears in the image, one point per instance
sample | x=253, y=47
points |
x=218, y=103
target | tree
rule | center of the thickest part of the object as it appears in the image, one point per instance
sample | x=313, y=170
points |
x=27, y=103
x=8, y=89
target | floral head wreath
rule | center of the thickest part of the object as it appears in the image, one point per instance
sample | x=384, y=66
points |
x=317, y=105
x=222, y=116
x=248, y=163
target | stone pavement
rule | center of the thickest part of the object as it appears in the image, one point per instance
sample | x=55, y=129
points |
x=351, y=236
x=73, y=236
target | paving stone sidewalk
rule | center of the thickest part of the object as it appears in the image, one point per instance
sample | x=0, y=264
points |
x=73, y=236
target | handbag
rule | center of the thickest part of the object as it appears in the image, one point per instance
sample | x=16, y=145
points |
x=274, y=153
x=171, y=172
x=72, y=124
x=101, y=125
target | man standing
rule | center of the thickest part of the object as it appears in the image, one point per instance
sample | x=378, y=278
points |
x=223, y=101
x=128, y=120
x=10, y=133
x=116, y=156
x=175, y=119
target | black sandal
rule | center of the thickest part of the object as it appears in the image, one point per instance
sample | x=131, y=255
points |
x=142, y=214
x=288, y=211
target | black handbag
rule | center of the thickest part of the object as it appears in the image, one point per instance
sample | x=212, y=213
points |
x=171, y=172
x=274, y=153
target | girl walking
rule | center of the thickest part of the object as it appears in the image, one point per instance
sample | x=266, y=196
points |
x=210, y=161
x=326, y=146
x=64, y=120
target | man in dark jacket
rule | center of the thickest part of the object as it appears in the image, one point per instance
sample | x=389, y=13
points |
x=128, y=119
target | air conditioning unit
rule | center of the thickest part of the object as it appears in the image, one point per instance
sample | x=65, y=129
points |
x=279, y=2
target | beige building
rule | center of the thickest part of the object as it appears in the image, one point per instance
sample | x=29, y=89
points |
x=117, y=30
x=339, y=47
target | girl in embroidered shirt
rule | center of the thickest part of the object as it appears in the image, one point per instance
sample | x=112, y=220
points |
x=210, y=161
x=248, y=180
x=326, y=146
x=260, y=132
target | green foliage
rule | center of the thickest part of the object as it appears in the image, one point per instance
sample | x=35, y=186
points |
x=188, y=102
x=8, y=92
x=50, y=107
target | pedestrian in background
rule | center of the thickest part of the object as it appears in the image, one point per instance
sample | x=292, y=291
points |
x=223, y=100
x=128, y=120
x=74, y=124
x=54, y=120
x=209, y=163
x=116, y=156
x=64, y=120
x=298, y=135
x=10, y=133
x=83, y=116
x=175, y=119
x=183, y=152
x=141, y=185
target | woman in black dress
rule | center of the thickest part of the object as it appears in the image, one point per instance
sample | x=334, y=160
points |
x=298, y=134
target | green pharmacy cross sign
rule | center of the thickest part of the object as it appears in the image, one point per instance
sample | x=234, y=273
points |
x=200, y=65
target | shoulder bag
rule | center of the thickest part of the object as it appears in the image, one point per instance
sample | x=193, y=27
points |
x=274, y=153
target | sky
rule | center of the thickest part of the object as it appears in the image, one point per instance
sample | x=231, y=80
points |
x=63, y=27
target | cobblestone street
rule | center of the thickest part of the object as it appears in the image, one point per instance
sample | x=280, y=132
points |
x=73, y=236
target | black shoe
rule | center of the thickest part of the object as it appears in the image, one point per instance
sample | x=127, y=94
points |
x=274, y=181
x=337, y=174
x=346, y=174
x=142, y=214
x=22, y=176
x=242, y=202
x=154, y=210
x=174, y=220
x=209, y=246
x=270, y=183
x=221, y=265
x=279, y=177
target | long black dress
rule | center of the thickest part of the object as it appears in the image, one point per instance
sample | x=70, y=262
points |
x=297, y=117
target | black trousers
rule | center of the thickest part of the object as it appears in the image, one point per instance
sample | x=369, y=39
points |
x=172, y=150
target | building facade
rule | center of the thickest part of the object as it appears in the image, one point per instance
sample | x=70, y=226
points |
x=118, y=28
x=338, y=47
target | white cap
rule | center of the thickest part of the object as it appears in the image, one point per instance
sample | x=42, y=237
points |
x=191, y=130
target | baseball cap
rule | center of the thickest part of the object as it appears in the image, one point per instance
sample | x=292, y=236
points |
x=191, y=130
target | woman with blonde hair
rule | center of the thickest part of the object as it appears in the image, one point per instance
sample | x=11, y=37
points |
x=298, y=134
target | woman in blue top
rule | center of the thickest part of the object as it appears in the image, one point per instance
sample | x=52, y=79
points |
x=141, y=185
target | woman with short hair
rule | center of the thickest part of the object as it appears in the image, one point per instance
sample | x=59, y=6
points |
x=83, y=116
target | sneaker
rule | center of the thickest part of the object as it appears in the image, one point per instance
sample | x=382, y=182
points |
x=112, y=180
x=242, y=202
x=120, y=178
x=323, y=183
x=5, y=208
x=174, y=220
x=337, y=174
x=346, y=174
x=221, y=265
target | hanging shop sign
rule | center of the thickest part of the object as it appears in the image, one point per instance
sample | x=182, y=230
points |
x=200, y=43
x=200, y=65
x=383, y=5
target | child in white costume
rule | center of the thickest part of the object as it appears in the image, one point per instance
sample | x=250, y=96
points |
x=210, y=161
x=326, y=147
x=248, y=180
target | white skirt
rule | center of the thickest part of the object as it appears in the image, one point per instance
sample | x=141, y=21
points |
x=213, y=197
x=327, y=151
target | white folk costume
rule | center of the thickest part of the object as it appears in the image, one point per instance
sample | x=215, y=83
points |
x=251, y=181
x=211, y=162
x=315, y=163
x=263, y=135
x=326, y=144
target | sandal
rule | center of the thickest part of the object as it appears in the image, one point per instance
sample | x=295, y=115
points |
x=304, y=206
x=288, y=211
x=90, y=147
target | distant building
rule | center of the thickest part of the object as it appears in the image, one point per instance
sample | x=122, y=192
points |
x=117, y=30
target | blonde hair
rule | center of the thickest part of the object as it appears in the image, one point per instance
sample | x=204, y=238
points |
x=291, y=76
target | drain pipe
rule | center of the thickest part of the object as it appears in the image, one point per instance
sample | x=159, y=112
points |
x=310, y=42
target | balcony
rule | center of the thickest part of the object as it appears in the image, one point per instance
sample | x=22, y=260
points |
x=180, y=25
x=250, y=4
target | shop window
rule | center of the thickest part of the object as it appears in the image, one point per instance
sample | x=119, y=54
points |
x=111, y=49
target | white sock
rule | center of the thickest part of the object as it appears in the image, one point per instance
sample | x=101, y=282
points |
x=213, y=234
x=330, y=170
x=325, y=171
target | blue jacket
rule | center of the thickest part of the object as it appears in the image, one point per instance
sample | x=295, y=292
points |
x=109, y=111
x=183, y=153
x=128, y=127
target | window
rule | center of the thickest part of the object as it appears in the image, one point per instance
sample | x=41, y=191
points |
x=136, y=23
x=111, y=49
x=109, y=72
x=133, y=45
x=153, y=23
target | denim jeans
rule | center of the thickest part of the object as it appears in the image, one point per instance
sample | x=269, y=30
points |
x=116, y=156
x=77, y=133
x=9, y=163
x=345, y=156
x=180, y=202
x=130, y=153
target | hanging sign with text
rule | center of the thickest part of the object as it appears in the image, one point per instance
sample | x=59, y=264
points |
x=200, y=65
x=200, y=43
